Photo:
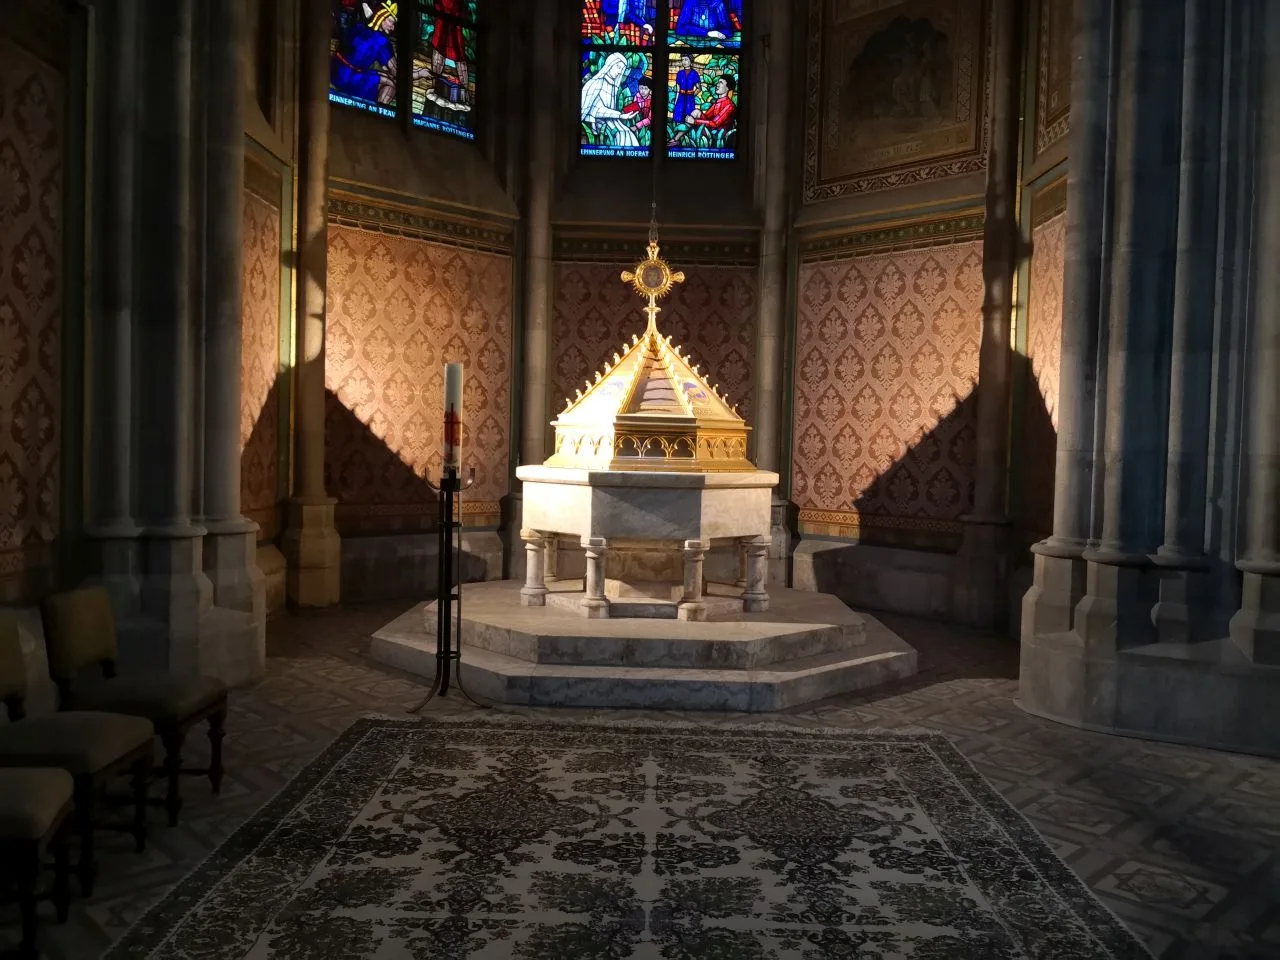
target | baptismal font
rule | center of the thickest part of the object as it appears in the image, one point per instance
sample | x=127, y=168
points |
x=649, y=473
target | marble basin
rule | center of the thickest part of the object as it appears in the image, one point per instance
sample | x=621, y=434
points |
x=645, y=534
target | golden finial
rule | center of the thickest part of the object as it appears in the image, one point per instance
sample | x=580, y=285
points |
x=598, y=376
x=616, y=358
x=577, y=395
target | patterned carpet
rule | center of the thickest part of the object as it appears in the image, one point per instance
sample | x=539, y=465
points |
x=1183, y=844
x=489, y=838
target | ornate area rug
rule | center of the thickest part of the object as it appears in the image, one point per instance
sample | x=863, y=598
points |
x=468, y=838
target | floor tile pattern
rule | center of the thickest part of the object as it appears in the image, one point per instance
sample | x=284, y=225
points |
x=1182, y=843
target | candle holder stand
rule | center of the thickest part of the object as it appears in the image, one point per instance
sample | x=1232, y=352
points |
x=449, y=592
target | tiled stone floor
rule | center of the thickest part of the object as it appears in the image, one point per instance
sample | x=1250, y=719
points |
x=1184, y=844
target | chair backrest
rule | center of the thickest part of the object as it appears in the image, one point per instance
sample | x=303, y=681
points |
x=13, y=668
x=79, y=632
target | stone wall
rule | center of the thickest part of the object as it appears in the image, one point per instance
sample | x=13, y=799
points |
x=260, y=352
x=886, y=358
x=399, y=308
x=712, y=314
x=1037, y=449
x=32, y=150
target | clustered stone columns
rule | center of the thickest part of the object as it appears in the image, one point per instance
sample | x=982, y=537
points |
x=691, y=606
x=311, y=544
x=1255, y=628
x=771, y=314
x=594, y=603
x=164, y=346
x=534, y=591
x=1171, y=342
x=983, y=559
x=231, y=540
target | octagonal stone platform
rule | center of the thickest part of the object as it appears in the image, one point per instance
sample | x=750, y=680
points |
x=806, y=647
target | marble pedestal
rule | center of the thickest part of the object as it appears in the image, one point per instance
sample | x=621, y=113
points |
x=806, y=647
x=646, y=534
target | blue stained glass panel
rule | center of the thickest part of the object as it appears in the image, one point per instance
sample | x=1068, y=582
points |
x=626, y=23
x=362, y=55
x=616, y=103
x=702, y=105
x=444, y=76
x=706, y=23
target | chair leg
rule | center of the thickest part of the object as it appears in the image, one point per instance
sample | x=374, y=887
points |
x=172, y=740
x=61, y=876
x=141, y=782
x=28, y=892
x=217, y=730
x=86, y=795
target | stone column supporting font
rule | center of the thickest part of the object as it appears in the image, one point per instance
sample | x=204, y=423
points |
x=311, y=544
x=755, y=598
x=534, y=591
x=594, y=603
x=691, y=606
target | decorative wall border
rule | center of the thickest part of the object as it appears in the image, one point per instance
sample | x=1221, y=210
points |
x=392, y=518
x=817, y=190
x=586, y=246
x=354, y=210
x=886, y=238
x=1049, y=128
x=1049, y=201
x=911, y=532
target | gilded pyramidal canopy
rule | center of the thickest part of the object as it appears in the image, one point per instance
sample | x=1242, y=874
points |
x=651, y=408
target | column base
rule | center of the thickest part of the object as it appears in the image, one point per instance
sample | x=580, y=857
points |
x=779, y=544
x=1255, y=628
x=533, y=596
x=695, y=611
x=1115, y=611
x=118, y=563
x=755, y=603
x=595, y=609
x=231, y=563
x=1179, y=611
x=167, y=631
x=980, y=588
x=1058, y=586
x=313, y=551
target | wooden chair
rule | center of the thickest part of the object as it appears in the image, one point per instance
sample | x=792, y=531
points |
x=91, y=746
x=35, y=807
x=80, y=636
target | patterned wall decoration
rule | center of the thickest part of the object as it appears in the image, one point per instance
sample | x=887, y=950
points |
x=32, y=149
x=713, y=314
x=883, y=422
x=897, y=93
x=260, y=351
x=1044, y=356
x=1053, y=74
x=399, y=308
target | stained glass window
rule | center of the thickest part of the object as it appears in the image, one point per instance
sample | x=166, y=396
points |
x=362, y=56
x=696, y=44
x=444, y=85
x=363, y=61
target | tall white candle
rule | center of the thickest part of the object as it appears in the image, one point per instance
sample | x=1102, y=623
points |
x=452, y=416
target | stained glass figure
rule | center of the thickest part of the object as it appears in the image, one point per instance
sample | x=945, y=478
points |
x=705, y=23
x=444, y=85
x=617, y=103
x=631, y=23
x=362, y=55
x=702, y=105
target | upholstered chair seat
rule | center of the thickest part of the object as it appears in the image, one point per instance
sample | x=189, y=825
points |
x=79, y=741
x=163, y=699
x=80, y=636
x=90, y=747
x=34, y=804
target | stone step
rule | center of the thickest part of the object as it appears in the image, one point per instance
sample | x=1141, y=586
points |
x=504, y=679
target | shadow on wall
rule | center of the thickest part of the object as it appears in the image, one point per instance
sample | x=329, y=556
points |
x=908, y=562
x=390, y=548
x=259, y=464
